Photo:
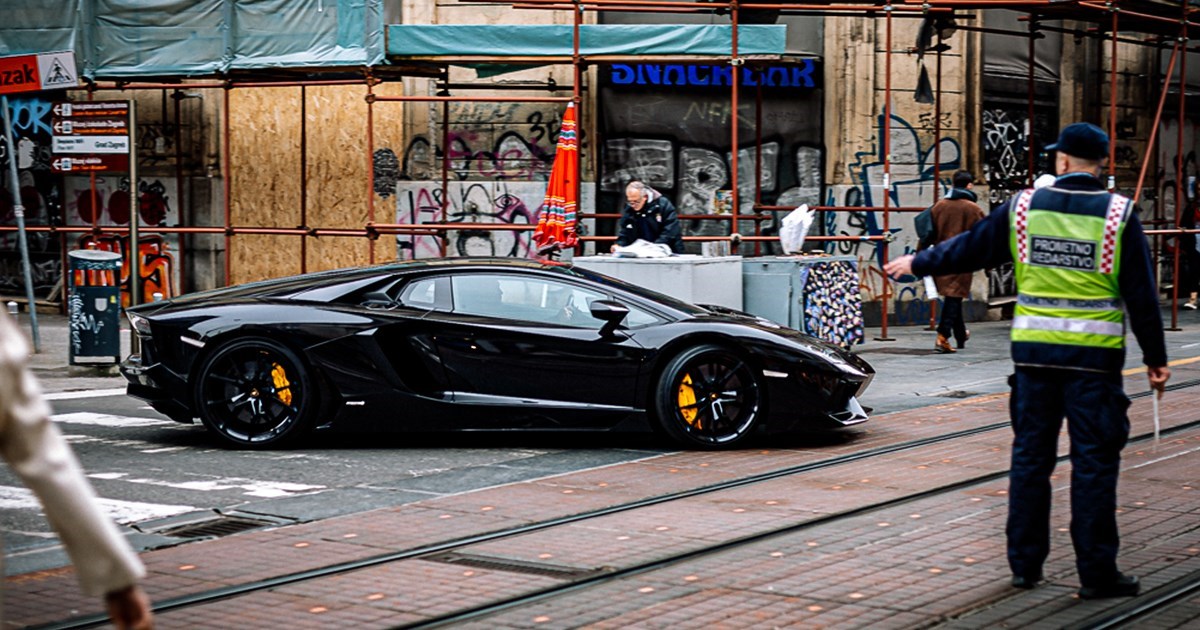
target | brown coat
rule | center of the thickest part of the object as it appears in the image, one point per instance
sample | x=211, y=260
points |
x=952, y=217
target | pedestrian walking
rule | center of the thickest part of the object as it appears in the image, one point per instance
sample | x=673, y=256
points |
x=1081, y=261
x=35, y=450
x=953, y=215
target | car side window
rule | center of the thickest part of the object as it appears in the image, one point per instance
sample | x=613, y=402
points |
x=526, y=299
x=638, y=318
x=431, y=294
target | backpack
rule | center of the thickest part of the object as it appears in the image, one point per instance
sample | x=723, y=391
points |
x=926, y=234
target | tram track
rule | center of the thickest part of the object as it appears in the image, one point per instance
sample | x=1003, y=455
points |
x=1143, y=606
x=662, y=563
x=214, y=595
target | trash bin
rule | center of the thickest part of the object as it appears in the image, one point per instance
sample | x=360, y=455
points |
x=94, y=305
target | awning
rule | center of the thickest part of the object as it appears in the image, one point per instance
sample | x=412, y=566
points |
x=556, y=40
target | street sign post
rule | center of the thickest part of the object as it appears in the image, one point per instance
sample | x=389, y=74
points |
x=91, y=137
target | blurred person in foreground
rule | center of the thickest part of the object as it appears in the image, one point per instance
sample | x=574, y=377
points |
x=1081, y=261
x=35, y=450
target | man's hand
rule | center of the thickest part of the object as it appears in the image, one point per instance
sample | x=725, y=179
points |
x=1158, y=378
x=899, y=267
x=129, y=608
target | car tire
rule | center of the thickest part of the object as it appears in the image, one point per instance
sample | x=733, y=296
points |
x=719, y=376
x=256, y=393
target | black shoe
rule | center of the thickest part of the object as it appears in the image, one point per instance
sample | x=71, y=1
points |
x=1026, y=581
x=1123, y=586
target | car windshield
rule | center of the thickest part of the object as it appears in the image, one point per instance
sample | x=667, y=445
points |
x=654, y=296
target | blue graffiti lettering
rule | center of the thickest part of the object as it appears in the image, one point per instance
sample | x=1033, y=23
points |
x=700, y=75
x=31, y=116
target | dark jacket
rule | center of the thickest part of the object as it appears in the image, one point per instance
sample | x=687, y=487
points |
x=952, y=216
x=658, y=222
x=986, y=244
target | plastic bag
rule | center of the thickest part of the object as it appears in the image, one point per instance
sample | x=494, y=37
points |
x=795, y=226
x=930, y=288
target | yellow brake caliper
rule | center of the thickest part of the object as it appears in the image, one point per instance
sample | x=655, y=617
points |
x=282, y=385
x=687, y=398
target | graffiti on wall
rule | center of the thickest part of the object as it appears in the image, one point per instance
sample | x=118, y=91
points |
x=503, y=202
x=1006, y=168
x=40, y=192
x=110, y=205
x=911, y=184
x=487, y=141
x=155, y=265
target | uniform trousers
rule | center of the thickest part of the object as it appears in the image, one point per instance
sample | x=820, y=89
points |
x=1095, y=406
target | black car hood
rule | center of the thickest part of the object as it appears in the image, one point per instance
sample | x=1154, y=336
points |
x=795, y=337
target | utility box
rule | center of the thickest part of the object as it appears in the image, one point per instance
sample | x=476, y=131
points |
x=693, y=279
x=818, y=295
x=94, y=306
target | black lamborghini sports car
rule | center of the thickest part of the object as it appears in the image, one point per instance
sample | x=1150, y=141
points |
x=481, y=344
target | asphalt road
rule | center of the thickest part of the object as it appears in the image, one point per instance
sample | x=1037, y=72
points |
x=154, y=474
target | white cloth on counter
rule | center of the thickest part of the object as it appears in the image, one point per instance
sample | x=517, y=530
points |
x=642, y=249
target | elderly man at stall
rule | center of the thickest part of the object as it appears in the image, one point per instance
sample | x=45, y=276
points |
x=650, y=217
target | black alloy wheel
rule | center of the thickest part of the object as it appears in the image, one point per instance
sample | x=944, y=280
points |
x=256, y=393
x=708, y=397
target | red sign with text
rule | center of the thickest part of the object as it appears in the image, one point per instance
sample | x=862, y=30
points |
x=31, y=73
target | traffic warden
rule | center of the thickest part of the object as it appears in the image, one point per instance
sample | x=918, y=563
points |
x=649, y=216
x=1081, y=262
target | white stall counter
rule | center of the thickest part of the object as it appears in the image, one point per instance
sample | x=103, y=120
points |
x=693, y=279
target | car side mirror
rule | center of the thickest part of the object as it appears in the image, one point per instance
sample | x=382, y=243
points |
x=611, y=313
x=377, y=299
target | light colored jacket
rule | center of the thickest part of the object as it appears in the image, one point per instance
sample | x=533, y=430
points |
x=35, y=450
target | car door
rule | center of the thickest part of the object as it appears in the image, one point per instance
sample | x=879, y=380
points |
x=530, y=341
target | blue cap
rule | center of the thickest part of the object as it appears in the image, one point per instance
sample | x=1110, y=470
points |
x=1082, y=140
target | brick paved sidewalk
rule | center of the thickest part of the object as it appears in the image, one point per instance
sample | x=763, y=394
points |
x=412, y=590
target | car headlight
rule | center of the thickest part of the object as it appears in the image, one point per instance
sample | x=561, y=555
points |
x=140, y=324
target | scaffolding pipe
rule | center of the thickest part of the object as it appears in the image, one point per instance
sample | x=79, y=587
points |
x=1145, y=16
x=734, y=81
x=937, y=155
x=1162, y=100
x=732, y=6
x=444, y=205
x=227, y=182
x=887, y=174
x=1029, y=121
x=758, y=161
x=475, y=99
x=1112, y=110
x=1180, y=194
x=370, y=98
x=303, y=178
x=577, y=99
x=177, y=97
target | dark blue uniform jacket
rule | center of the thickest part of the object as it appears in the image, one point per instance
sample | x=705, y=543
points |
x=986, y=244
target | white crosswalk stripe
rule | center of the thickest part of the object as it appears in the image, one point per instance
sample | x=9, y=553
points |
x=109, y=420
x=123, y=512
x=250, y=487
x=90, y=393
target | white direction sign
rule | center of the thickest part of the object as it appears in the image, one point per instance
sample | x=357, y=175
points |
x=90, y=144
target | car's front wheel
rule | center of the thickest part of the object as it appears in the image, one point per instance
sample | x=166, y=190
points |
x=708, y=397
x=256, y=393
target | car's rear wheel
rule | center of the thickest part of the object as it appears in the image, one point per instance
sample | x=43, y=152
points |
x=256, y=393
x=708, y=397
